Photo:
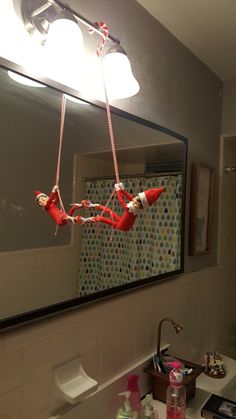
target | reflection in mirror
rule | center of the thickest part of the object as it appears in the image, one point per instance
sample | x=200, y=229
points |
x=110, y=258
x=41, y=266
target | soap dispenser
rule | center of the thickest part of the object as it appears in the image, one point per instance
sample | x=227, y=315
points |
x=148, y=411
x=126, y=412
x=132, y=386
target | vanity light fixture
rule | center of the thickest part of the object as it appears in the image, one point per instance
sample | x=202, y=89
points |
x=55, y=25
x=120, y=80
x=64, y=51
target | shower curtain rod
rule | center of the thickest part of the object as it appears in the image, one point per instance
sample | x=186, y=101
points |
x=135, y=175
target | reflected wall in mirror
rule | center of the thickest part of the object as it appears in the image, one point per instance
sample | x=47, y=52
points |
x=43, y=272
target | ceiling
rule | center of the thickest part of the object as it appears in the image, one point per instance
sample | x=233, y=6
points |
x=206, y=27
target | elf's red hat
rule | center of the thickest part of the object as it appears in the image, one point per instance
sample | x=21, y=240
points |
x=148, y=198
x=38, y=194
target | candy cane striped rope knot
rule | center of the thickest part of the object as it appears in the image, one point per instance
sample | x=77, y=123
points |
x=104, y=34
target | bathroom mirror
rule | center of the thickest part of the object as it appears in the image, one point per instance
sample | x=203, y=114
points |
x=43, y=270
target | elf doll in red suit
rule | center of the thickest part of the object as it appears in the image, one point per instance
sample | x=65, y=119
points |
x=132, y=208
x=49, y=204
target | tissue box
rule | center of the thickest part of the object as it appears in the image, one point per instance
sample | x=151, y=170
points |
x=161, y=380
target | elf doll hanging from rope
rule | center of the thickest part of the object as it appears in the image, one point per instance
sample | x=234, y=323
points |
x=53, y=204
x=134, y=206
x=49, y=204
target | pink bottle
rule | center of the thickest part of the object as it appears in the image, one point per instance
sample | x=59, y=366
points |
x=176, y=393
x=132, y=386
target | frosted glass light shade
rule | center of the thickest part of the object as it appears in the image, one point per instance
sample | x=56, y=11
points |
x=64, y=53
x=24, y=80
x=119, y=78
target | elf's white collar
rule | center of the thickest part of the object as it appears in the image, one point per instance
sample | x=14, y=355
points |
x=132, y=209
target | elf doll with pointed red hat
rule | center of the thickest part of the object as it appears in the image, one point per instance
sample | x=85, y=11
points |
x=134, y=206
x=49, y=204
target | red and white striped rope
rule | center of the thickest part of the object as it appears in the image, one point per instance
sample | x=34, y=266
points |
x=104, y=33
x=62, y=123
x=110, y=128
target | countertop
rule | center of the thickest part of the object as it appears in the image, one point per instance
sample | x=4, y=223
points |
x=205, y=386
x=193, y=408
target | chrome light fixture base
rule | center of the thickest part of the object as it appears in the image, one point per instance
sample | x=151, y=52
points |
x=36, y=15
x=116, y=48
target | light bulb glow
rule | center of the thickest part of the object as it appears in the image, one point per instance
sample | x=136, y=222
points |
x=24, y=80
x=64, y=53
x=119, y=78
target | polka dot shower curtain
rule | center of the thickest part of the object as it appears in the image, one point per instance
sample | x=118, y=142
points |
x=110, y=258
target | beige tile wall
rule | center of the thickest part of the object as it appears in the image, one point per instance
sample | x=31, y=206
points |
x=109, y=336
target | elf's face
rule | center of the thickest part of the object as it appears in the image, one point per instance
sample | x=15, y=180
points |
x=42, y=200
x=137, y=204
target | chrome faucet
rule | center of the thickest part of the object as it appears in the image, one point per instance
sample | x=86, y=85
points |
x=177, y=327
